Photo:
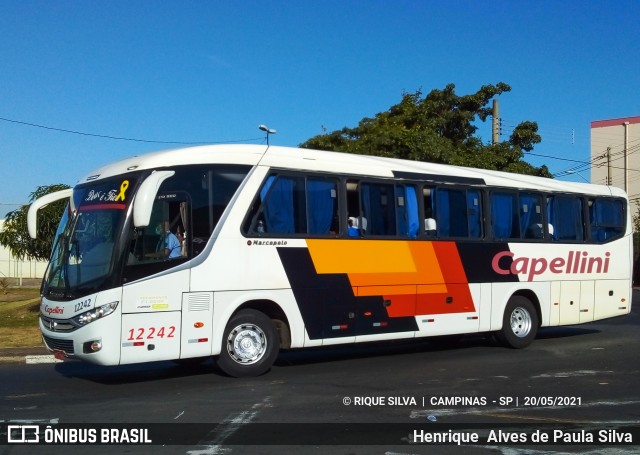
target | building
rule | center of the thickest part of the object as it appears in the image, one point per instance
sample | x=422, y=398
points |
x=14, y=269
x=615, y=154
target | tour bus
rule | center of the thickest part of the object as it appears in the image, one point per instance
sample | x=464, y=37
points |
x=239, y=251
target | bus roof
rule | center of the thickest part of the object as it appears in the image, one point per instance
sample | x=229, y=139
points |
x=339, y=163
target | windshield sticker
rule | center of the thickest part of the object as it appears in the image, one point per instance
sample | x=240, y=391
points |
x=123, y=189
x=106, y=196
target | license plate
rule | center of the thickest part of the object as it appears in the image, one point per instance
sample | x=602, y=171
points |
x=60, y=355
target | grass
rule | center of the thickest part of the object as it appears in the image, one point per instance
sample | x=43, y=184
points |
x=19, y=309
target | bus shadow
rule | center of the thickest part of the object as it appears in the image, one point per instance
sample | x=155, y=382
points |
x=564, y=332
x=328, y=354
x=135, y=373
x=166, y=370
x=421, y=345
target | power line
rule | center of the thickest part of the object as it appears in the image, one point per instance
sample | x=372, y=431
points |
x=581, y=166
x=549, y=133
x=584, y=166
x=106, y=136
x=556, y=158
x=616, y=156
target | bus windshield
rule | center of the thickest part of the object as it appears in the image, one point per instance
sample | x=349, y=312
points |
x=83, y=253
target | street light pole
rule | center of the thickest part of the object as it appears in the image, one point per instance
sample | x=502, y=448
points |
x=267, y=130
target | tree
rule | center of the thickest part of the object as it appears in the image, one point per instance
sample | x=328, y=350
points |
x=438, y=128
x=15, y=236
x=636, y=219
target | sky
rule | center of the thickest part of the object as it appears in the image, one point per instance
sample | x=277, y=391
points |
x=165, y=72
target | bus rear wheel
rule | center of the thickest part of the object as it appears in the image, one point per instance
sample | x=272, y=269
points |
x=519, y=323
x=250, y=344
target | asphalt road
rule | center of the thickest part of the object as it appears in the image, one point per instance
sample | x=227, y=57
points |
x=571, y=384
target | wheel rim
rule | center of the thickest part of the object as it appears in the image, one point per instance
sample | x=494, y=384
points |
x=520, y=322
x=246, y=344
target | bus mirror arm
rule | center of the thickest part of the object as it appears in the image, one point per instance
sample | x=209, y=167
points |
x=32, y=214
x=143, y=202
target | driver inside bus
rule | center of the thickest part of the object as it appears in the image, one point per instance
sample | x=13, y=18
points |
x=169, y=241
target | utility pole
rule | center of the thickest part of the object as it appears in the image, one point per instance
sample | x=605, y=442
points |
x=609, y=182
x=495, y=124
x=626, y=157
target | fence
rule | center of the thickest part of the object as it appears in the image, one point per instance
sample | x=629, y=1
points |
x=12, y=268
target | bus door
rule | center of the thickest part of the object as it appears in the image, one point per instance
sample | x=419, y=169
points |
x=154, y=282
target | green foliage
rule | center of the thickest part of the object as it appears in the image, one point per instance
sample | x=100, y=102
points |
x=15, y=235
x=635, y=217
x=437, y=128
x=19, y=312
x=525, y=136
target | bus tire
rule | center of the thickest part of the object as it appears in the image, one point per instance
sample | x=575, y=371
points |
x=250, y=344
x=519, y=323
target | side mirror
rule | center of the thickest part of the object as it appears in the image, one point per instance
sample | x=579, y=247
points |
x=143, y=203
x=32, y=214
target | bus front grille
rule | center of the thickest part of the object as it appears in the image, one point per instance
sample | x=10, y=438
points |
x=57, y=325
x=59, y=345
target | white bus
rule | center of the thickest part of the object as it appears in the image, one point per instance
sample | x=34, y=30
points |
x=284, y=248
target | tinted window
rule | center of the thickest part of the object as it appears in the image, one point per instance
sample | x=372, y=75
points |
x=566, y=222
x=531, y=222
x=516, y=216
x=295, y=205
x=458, y=212
x=505, y=219
x=378, y=209
x=607, y=219
x=407, y=211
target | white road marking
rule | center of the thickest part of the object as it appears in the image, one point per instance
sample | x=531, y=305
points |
x=229, y=426
x=31, y=359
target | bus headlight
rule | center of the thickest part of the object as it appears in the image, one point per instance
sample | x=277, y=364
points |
x=96, y=313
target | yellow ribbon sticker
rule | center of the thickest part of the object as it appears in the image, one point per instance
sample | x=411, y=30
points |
x=123, y=189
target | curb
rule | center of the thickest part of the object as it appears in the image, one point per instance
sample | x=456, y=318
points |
x=34, y=354
x=47, y=358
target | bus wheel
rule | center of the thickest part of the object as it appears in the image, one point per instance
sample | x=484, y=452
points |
x=519, y=324
x=250, y=344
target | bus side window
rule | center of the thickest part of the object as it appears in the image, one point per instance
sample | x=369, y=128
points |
x=295, y=205
x=378, y=209
x=565, y=214
x=458, y=212
x=474, y=212
x=607, y=219
x=407, y=211
x=430, y=224
x=451, y=213
x=531, y=226
x=505, y=220
x=322, y=206
x=280, y=212
x=355, y=227
x=516, y=216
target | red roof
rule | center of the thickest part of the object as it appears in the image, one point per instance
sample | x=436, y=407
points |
x=615, y=122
